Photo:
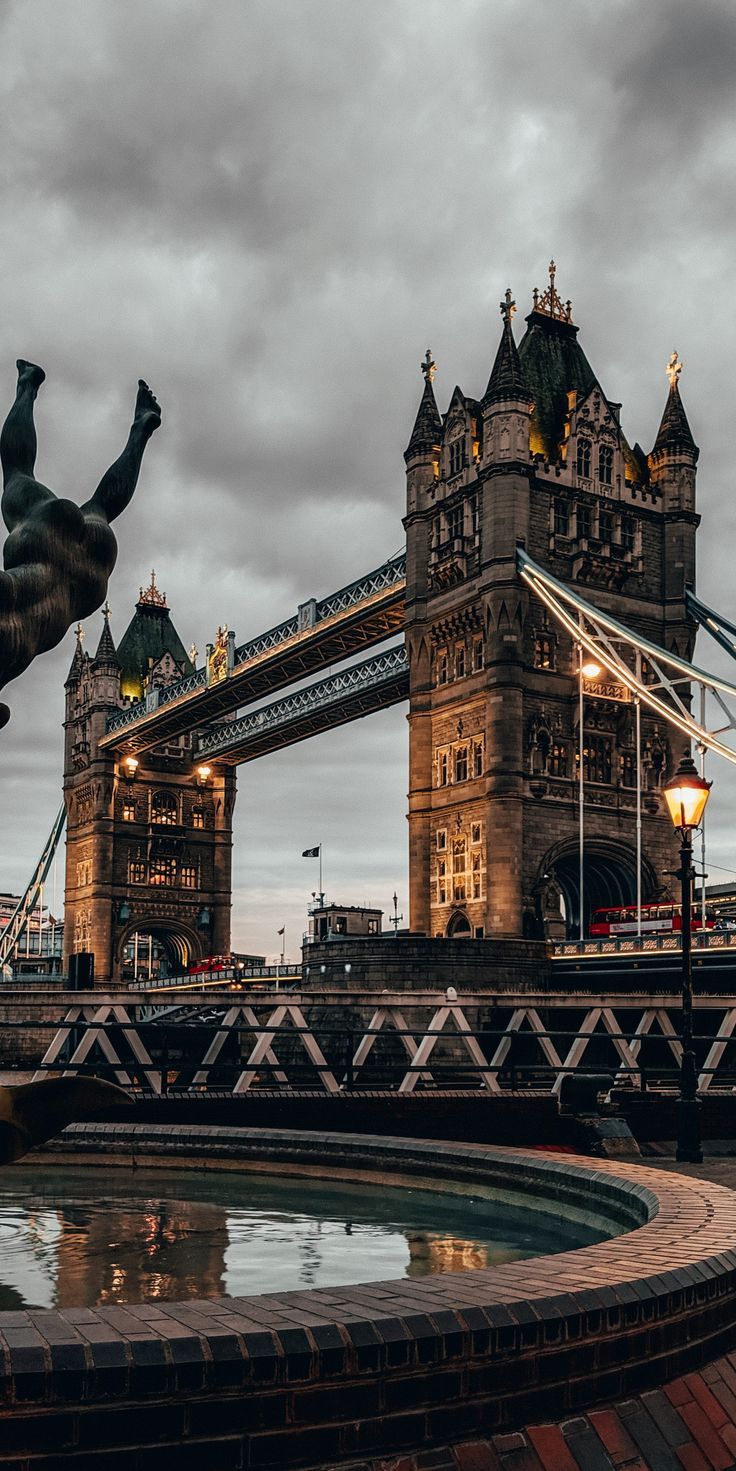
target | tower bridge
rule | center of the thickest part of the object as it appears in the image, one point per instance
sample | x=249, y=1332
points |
x=534, y=530
x=364, y=613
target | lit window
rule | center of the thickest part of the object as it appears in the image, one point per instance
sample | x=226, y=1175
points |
x=478, y=658
x=461, y=763
x=544, y=651
x=583, y=458
x=163, y=872
x=597, y=759
x=128, y=810
x=188, y=876
x=582, y=519
x=460, y=661
x=137, y=871
x=198, y=817
x=605, y=464
x=557, y=759
x=164, y=809
x=562, y=518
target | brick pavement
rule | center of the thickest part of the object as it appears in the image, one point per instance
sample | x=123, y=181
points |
x=688, y=1425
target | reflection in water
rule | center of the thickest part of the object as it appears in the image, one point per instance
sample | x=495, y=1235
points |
x=87, y=1236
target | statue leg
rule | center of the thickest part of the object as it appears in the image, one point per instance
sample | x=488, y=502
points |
x=116, y=487
x=18, y=448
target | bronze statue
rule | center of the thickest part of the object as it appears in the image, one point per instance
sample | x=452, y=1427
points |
x=58, y=556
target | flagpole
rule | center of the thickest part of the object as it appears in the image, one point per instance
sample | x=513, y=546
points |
x=321, y=890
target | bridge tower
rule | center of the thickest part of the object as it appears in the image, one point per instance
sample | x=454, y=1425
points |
x=149, y=842
x=539, y=460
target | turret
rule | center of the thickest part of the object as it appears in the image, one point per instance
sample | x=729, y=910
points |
x=507, y=403
x=422, y=469
x=672, y=467
x=675, y=454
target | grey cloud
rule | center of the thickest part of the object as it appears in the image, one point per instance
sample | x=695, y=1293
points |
x=269, y=211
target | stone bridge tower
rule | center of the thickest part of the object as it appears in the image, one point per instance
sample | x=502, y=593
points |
x=540, y=459
x=148, y=848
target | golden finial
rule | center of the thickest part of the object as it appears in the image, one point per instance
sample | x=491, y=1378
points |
x=80, y=633
x=151, y=594
x=549, y=302
x=106, y=611
x=508, y=307
x=428, y=366
x=674, y=369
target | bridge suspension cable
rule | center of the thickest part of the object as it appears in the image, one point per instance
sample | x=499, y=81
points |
x=719, y=628
x=669, y=679
x=19, y=919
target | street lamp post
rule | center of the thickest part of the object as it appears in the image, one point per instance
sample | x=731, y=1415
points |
x=587, y=669
x=686, y=795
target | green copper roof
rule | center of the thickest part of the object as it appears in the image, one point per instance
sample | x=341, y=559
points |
x=149, y=635
x=553, y=362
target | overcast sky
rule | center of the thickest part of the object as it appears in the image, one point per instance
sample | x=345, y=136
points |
x=269, y=210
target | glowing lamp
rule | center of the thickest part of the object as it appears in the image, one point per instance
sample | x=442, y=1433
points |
x=130, y=766
x=590, y=670
x=686, y=794
x=203, y=773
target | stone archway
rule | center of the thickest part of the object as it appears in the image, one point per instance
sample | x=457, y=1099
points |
x=459, y=927
x=179, y=943
x=609, y=879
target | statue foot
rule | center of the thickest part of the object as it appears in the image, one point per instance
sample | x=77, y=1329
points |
x=147, y=411
x=29, y=373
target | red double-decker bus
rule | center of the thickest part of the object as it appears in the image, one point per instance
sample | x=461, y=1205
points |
x=656, y=919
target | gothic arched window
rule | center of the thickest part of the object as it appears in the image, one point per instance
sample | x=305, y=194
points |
x=583, y=458
x=164, y=809
x=605, y=464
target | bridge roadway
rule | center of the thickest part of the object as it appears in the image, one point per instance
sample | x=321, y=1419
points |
x=361, y=689
x=357, y=617
x=714, y=971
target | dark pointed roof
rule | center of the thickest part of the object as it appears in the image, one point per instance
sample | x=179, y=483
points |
x=674, y=430
x=149, y=635
x=77, y=664
x=507, y=379
x=106, y=651
x=427, y=431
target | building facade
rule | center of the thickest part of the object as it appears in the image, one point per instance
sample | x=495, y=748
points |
x=149, y=841
x=541, y=461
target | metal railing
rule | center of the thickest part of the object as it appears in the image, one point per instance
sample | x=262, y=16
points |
x=240, y=1041
x=370, y=674
x=391, y=573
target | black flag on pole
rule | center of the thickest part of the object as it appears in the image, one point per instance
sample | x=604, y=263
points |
x=311, y=853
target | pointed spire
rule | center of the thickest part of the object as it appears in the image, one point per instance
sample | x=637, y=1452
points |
x=507, y=375
x=77, y=664
x=427, y=431
x=106, y=651
x=674, y=430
